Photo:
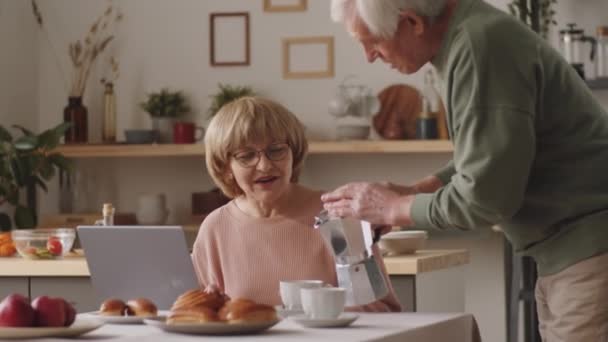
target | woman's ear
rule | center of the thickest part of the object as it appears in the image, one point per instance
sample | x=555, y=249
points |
x=413, y=20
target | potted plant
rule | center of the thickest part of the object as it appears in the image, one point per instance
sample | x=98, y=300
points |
x=164, y=107
x=26, y=162
x=228, y=93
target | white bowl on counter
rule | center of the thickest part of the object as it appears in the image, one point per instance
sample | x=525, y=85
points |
x=403, y=242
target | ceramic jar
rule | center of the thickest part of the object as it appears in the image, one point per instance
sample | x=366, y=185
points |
x=152, y=209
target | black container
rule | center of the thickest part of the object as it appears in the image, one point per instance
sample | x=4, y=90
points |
x=426, y=128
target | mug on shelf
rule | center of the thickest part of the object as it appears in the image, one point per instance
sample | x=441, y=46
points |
x=185, y=132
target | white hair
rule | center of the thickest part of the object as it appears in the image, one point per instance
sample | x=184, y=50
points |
x=382, y=16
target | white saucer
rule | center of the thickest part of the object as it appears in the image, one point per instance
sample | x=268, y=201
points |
x=283, y=312
x=345, y=319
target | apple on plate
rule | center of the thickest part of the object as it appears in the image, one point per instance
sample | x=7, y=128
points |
x=53, y=312
x=16, y=311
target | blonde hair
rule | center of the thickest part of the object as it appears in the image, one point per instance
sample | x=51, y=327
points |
x=382, y=16
x=248, y=120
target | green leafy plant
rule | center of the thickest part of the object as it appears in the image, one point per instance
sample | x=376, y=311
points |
x=28, y=160
x=538, y=14
x=165, y=104
x=228, y=93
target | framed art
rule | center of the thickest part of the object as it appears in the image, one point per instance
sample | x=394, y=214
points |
x=229, y=39
x=285, y=5
x=308, y=57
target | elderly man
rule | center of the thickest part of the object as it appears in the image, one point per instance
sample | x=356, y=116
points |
x=530, y=149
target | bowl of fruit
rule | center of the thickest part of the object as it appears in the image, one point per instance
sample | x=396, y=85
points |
x=43, y=243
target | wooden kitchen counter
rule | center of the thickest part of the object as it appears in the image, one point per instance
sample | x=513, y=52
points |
x=76, y=266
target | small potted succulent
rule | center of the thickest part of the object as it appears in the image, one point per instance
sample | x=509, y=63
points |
x=164, y=108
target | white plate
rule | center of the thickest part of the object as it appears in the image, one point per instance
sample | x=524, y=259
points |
x=79, y=327
x=343, y=320
x=284, y=312
x=211, y=328
x=117, y=319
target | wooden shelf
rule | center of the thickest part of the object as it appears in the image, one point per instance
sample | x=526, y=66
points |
x=198, y=150
x=598, y=83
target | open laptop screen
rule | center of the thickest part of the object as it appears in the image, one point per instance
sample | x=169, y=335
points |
x=128, y=262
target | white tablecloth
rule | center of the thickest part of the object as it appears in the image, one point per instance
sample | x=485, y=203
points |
x=410, y=327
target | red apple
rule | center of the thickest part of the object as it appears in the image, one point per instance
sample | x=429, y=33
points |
x=49, y=312
x=70, y=313
x=16, y=311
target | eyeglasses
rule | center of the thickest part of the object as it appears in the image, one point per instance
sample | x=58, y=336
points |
x=251, y=158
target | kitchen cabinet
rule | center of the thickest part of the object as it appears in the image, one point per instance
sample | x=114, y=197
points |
x=10, y=285
x=76, y=290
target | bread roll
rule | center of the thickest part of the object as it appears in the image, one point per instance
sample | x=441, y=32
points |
x=198, y=314
x=112, y=307
x=199, y=298
x=246, y=311
x=141, y=307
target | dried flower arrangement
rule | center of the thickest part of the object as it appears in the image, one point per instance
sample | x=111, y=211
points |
x=114, y=73
x=83, y=54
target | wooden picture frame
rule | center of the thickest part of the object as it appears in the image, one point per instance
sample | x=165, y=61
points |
x=297, y=6
x=215, y=60
x=327, y=72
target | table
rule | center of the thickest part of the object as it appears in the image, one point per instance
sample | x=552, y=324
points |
x=427, y=281
x=385, y=327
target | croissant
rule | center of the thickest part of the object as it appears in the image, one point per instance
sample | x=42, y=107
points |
x=198, y=314
x=245, y=311
x=199, y=298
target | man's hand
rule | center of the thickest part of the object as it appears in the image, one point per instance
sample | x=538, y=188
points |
x=378, y=203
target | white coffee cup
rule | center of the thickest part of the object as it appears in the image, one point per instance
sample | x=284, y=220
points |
x=290, y=292
x=323, y=303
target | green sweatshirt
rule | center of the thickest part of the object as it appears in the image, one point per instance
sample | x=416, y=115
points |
x=530, y=142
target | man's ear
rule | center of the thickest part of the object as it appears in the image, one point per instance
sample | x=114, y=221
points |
x=413, y=20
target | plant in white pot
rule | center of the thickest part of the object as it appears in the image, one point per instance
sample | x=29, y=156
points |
x=228, y=93
x=164, y=108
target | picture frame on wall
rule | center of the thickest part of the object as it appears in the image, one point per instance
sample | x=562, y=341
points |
x=285, y=5
x=229, y=39
x=300, y=52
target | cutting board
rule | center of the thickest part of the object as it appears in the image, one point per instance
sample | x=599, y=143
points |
x=400, y=105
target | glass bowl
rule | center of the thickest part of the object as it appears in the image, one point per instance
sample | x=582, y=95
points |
x=43, y=243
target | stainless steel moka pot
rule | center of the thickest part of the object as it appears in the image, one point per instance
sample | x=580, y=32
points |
x=351, y=242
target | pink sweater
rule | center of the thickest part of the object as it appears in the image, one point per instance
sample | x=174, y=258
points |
x=246, y=256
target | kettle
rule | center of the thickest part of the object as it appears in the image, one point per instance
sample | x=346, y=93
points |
x=571, y=41
x=351, y=243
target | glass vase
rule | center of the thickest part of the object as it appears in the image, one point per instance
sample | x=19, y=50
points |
x=108, y=135
x=76, y=114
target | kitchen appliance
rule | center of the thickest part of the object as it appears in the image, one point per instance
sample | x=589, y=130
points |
x=572, y=40
x=351, y=243
x=602, y=52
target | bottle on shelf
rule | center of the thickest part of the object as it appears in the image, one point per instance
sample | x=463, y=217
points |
x=109, y=115
x=426, y=123
x=108, y=215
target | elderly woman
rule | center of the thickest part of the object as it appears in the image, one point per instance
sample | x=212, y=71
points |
x=254, y=152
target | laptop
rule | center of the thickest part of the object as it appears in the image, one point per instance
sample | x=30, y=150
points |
x=128, y=262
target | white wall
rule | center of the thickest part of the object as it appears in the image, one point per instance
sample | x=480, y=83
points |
x=18, y=65
x=166, y=43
